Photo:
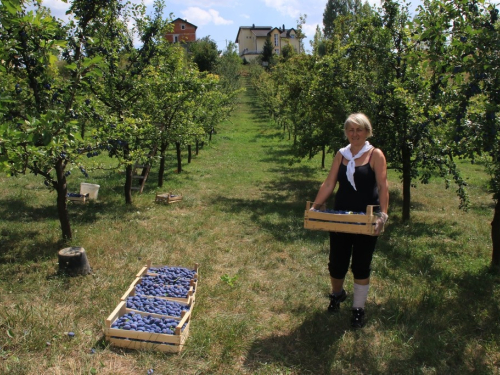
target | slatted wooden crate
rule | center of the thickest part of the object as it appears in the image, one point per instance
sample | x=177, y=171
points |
x=150, y=269
x=156, y=315
x=346, y=223
x=132, y=292
x=78, y=198
x=168, y=198
x=132, y=339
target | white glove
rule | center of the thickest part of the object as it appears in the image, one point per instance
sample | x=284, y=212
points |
x=380, y=222
x=312, y=207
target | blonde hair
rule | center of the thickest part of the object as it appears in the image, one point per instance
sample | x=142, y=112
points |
x=359, y=119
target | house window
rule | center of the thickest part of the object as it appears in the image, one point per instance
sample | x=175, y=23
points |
x=276, y=41
x=183, y=27
x=277, y=51
x=176, y=39
x=292, y=36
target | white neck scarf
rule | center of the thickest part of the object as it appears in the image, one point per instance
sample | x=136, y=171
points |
x=346, y=152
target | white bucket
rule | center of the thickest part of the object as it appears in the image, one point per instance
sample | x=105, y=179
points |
x=90, y=189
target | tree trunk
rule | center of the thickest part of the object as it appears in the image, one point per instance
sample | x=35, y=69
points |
x=73, y=261
x=197, y=147
x=189, y=154
x=210, y=136
x=323, y=157
x=495, y=236
x=82, y=131
x=163, y=148
x=179, y=158
x=128, y=184
x=406, y=182
x=62, y=207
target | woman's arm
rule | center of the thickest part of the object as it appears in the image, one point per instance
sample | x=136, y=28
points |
x=380, y=169
x=329, y=184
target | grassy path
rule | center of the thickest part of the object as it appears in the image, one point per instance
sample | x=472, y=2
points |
x=260, y=309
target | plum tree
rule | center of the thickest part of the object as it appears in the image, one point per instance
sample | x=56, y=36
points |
x=40, y=103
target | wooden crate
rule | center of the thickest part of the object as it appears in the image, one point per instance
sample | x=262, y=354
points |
x=168, y=198
x=147, y=270
x=80, y=198
x=128, y=309
x=145, y=340
x=346, y=223
x=131, y=292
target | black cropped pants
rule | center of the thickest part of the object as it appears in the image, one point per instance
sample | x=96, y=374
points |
x=347, y=246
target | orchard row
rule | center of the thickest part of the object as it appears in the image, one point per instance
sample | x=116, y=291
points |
x=429, y=82
x=71, y=92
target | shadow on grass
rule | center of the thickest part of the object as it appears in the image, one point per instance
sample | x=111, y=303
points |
x=12, y=252
x=258, y=113
x=440, y=333
x=445, y=327
x=19, y=210
x=451, y=321
x=286, y=198
x=281, y=156
x=310, y=347
x=24, y=219
x=288, y=228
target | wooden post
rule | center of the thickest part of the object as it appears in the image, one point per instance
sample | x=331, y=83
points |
x=73, y=261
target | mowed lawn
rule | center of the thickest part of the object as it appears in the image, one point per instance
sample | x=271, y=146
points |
x=433, y=307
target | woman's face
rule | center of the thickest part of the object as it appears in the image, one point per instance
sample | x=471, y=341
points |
x=356, y=134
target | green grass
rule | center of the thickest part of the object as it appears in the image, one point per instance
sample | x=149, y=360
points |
x=433, y=307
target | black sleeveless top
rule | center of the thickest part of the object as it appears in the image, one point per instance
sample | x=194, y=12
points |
x=348, y=199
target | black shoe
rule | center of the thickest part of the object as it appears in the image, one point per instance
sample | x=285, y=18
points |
x=358, y=318
x=335, y=301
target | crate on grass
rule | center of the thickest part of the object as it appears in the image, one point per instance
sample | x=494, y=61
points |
x=157, y=307
x=168, y=197
x=140, y=287
x=77, y=197
x=174, y=273
x=328, y=220
x=138, y=330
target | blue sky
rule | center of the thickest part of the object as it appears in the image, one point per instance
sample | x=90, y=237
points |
x=221, y=19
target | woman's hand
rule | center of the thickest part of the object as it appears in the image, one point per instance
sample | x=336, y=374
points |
x=380, y=222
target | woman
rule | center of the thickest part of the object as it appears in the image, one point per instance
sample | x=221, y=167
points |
x=361, y=171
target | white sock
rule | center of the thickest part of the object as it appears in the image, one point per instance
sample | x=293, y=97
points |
x=360, y=296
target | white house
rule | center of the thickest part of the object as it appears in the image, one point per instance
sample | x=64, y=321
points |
x=251, y=40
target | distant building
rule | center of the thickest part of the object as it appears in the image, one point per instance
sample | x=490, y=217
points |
x=251, y=40
x=183, y=31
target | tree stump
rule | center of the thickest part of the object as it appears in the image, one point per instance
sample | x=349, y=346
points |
x=73, y=261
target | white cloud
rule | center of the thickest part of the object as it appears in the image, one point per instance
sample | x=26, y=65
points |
x=245, y=16
x=206, y=3
x=287, y=7
x=310, y=29
x=375, y=3
x=200, y=17
x=57, y=8
x=56, y=5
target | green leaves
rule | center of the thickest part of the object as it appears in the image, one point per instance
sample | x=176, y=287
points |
x=12, y=6
x=229, y=280
x=92, y=61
